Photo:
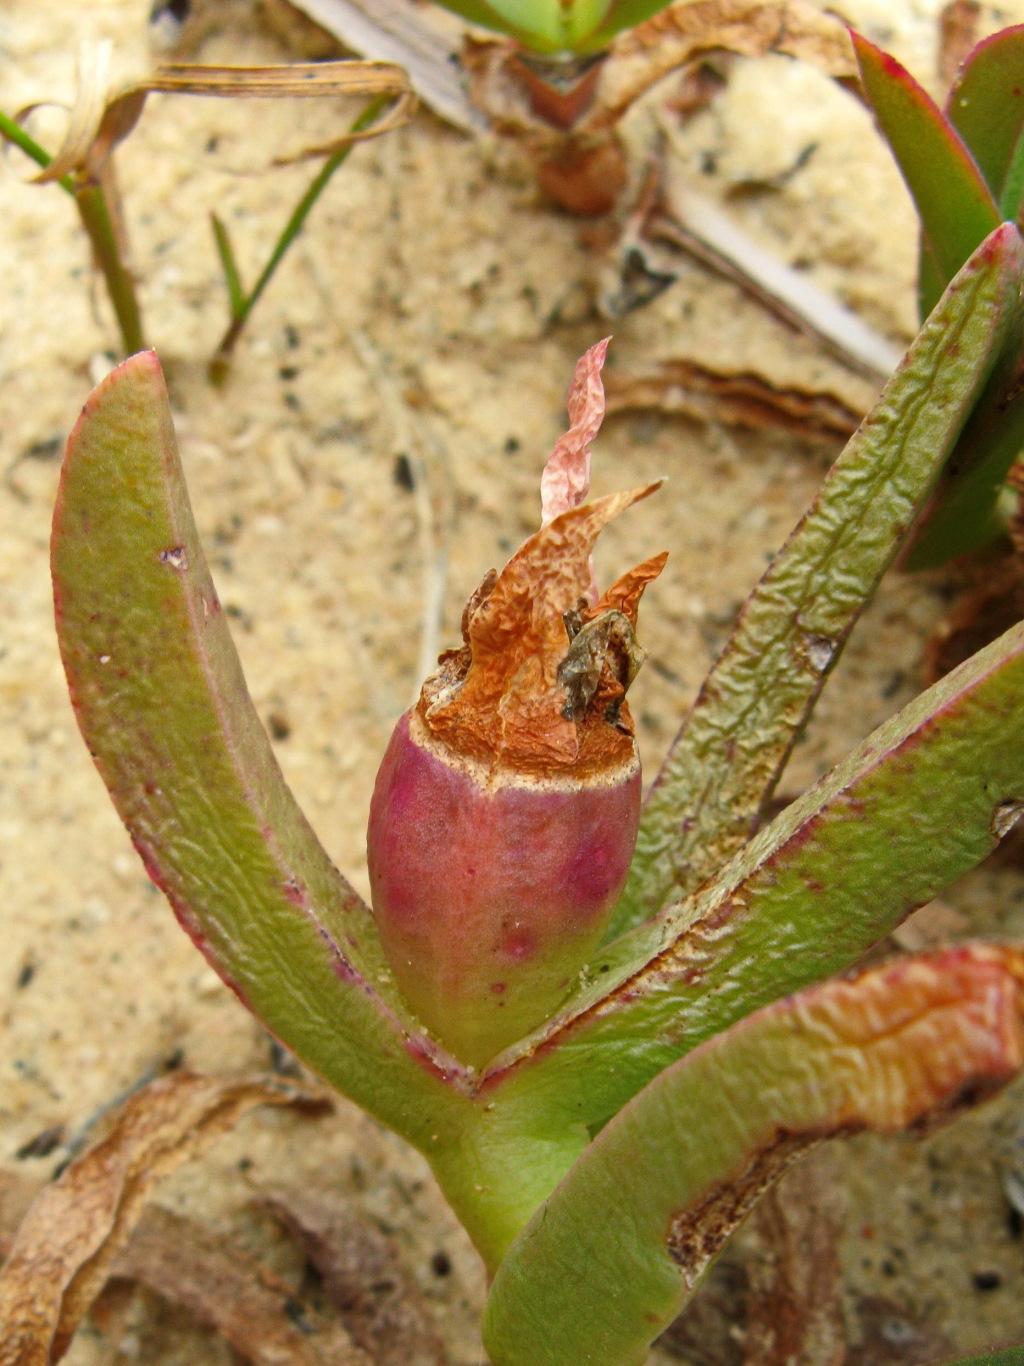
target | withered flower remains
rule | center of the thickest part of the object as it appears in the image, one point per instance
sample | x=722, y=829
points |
x=505, y=811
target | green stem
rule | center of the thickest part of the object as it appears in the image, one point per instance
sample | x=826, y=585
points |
x=13, y=132
x=94, y=212
x=95, y=215
x=240, y=314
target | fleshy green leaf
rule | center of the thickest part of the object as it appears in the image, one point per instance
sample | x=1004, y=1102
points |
x=922, y=800
x=614, y=1254
x=723, y=765
x=956, y=206
x=986, y=107
x=161, y=701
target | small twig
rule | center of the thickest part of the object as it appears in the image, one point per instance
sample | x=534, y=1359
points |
x=242, y=304
x=697, y=225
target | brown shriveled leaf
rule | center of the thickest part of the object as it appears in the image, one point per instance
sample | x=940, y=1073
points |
x=794, y=1310
x=740, y=398
x=104, y=114
x=220, y=1284
x=225, y=1288
x=380, y=1304
x=71, y=1236
x=565, y=481
x=692, y=28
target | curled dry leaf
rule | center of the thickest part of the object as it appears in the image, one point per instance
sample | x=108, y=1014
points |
x=104, y=114
x=740, y=398
x=748, y=28
x=74, y=1231
x=215, y=1280
x=380, y=1304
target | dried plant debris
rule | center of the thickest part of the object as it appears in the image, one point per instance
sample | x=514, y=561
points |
x=105, y=112
x=69, y=1240
x=990, y=600
x=220, y=1284
x=739, y=398
x=795, y=1312
x=380, y=1305
x=887, y=1334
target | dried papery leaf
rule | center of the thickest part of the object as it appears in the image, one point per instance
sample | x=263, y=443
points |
x=103, y=115
x=252, y=1309
x=690, y=29
x=656, y=1194
x=419, y=39
x=642, y=56
x=380, y=1304
x=741, y=398
x=214, y=1279
x=565, y=481
x=68, y=1241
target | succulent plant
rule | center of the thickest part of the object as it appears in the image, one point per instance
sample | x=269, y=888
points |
x=601, y=1134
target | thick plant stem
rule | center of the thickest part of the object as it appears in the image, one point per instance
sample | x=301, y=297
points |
x=242, y=304
x=94, y=211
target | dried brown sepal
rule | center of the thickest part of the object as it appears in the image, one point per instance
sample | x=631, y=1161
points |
x=73, y=1233
x=499, y=701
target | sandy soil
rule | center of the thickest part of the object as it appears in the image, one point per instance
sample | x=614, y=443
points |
x=432, y=311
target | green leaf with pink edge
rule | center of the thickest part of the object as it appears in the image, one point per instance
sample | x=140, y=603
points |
x=956, y=206
x=921, y=801
x=615, y=1253
x=986, y=107
x=720, y=772
x=162, y=704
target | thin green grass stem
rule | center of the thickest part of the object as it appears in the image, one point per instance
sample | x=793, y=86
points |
x=241, y=303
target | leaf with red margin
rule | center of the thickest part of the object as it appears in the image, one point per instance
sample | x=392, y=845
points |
x=162, y=704
x=614, y=1254
x=986, y=107
x=956, y=206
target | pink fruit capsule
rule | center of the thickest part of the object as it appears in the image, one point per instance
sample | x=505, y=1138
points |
x=505, y=812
